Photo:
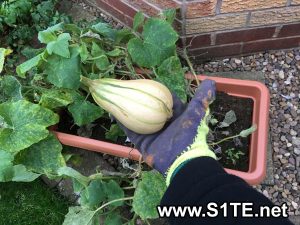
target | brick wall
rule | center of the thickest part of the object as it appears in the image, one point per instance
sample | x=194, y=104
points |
x=217, y=28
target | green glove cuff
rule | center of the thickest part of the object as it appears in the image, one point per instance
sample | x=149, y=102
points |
x=199, y=148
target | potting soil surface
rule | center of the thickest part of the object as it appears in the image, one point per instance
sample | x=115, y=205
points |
x=242, y=108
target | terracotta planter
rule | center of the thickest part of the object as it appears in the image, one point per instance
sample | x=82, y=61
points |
x=259, y=139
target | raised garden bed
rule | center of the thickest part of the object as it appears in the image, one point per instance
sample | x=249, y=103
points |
x=253, y=172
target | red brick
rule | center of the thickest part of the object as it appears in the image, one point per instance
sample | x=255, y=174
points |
x=163, y=4
x=200, y=8
x=198, y=41
x=244, y=35
x=280, y=43
x=124, y=16
x=123, y=7
x=217, y=51
x=290, y=30
x=145, y=7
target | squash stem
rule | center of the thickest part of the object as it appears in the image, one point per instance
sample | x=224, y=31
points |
x=86, y=81
x=190, y=66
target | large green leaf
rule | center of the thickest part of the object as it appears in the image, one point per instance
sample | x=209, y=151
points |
x=93, y=195
x=113, y=218
x=138, y=20
x=83, y=51
x=27, y=124
x=102, y=62
x=79, y=216
x=21, y=174
x=169, y=15
x=49, y=35
x=113, y=191
x=70, y=172
x=159, y=32
x=60, y=46
x=28, y=65
x=64, y=72
x=10, y=89
x=6, y=166
x=3, y=53
x=171, y=74
x=144, y=54
x=85, y=112
x=114, y=53
x=148, y=194
x=43, y=157
x=10, y=172
x=105, y=30
x=55, y=98
x=158, y=43
x=123, y=36
x=114, y=132
x=96, y=50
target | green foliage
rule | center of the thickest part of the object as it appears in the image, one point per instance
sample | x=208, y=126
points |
x=10, y=89
x=55, y=98
x=113, y=219
x=24, y=124
x=3, y=53
x=148, y=195
x=60, y=46
x=93, y=195
x=233, y=155
x=28, y=65
x=22, y=19
x=171, y=74
x=157, y=43
x=80, y=216
x=39, y=159
x=247, y=132
x=138, y=21
x=64, y=72
x=114, y=132
x=10, y=172
x=169, y=15
x=84, y=112
x=49, y=81
x=70, y=172
x=229, y=118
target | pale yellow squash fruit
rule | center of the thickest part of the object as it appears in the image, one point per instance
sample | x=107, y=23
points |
x=143, y=106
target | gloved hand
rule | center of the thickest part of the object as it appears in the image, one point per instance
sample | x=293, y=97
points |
x=183, y=137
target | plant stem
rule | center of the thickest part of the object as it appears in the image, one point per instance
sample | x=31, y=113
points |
x=225, y=139
x=108, y=203
x=113, y=201
x=128, y=188
x=135, y=216
x=190, y=66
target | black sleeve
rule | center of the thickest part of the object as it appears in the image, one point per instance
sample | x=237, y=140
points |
x=203, y=180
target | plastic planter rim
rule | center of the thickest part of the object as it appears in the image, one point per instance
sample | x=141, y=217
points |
x=257, y=91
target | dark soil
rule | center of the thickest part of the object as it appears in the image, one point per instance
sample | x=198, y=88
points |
x=243, y=108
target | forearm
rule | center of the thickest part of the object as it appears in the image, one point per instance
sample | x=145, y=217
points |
x=203, y=180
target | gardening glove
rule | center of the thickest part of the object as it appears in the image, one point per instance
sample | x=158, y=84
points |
x=183, y=137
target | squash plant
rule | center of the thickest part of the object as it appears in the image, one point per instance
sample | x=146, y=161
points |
x=32, y=98
x=49, y=82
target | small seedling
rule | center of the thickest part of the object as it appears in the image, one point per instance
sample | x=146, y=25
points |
x=233, y=155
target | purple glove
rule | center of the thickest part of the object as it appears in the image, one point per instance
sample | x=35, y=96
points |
x=183, y=137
